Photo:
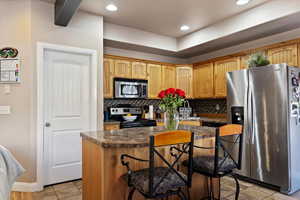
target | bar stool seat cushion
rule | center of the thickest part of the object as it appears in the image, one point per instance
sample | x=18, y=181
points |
x=140, y=180
x=205, y=164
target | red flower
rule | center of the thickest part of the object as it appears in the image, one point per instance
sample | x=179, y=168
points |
x=180, y=93
x=170, y=91
x=162, y=94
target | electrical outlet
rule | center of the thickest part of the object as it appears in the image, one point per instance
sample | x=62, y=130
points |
x=4, y=110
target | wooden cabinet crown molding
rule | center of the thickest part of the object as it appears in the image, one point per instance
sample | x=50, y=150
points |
x=138, y=60
x=251, y=51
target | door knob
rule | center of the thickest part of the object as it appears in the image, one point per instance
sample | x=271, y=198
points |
x=47, y=124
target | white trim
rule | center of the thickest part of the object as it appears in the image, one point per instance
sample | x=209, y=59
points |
x=25, y=187
x=41, y=47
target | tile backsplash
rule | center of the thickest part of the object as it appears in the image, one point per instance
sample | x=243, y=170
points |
x=199, y=106
x=214, y=106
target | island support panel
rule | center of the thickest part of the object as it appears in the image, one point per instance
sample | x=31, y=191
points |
x=102, y=170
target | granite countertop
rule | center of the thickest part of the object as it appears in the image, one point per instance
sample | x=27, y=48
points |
x=139, y=137
x=218, y=120
x=112, y=122
x=203, y=119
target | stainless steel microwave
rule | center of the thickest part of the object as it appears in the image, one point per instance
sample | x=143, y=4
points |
x=130, y=88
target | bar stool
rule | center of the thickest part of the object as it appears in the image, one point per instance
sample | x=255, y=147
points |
x=224, y=160
x=161, y=182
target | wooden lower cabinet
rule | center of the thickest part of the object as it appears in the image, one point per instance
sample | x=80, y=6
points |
x=109, y=127
x=168, y=77
x=203, y=81
x=102, y=170
x=220, y=69
x=154, y=73
x=286, y=54
x=184, y=80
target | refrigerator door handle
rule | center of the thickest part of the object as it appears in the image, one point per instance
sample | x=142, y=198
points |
x=249, y=114
x=252, y=123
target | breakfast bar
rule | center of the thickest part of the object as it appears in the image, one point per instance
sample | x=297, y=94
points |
x=102, y=167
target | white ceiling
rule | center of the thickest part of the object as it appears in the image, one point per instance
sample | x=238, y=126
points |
x=141, y=25
x=166, y=16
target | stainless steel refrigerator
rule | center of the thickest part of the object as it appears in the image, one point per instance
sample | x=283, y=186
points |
x=266, y=100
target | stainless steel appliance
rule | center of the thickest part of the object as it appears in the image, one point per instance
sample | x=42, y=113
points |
x=266, y=100
x=117, y=113
x=130, y=88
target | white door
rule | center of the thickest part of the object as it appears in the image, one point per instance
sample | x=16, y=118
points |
x=67, y=113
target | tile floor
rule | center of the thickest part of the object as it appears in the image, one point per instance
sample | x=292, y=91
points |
x=73, y=191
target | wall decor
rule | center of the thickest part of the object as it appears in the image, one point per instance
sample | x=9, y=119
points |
x=9, y=71
x=8, y=52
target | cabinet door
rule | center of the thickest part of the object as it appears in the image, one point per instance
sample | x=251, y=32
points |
x=123, y=69
x=203, y=81
x=244, y=61
x=139, y=70
x=154, y=73
x=108, y=77
x=168, y=77
x=287, y=54
x=184, y=80
x=220, y=69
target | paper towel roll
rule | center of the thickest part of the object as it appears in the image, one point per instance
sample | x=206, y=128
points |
x=151, y=111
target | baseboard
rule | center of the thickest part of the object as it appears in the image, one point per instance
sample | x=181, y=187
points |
x=26, y=187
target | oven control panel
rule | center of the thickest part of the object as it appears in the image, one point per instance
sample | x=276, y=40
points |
x=124, y=111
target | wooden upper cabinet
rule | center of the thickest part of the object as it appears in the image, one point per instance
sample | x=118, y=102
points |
x=184, y=80
x=139, y=70
x=108, y=68
x=220, y=69
x=123, y=69
x=286, y=54
x=154, y=75
x=168, y=77
x=203, y=81
x=244, y=61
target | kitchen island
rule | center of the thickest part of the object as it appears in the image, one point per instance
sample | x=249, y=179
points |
x=102, y=167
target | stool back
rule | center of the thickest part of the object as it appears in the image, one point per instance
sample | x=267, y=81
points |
x=183, y=141
x=226, y=146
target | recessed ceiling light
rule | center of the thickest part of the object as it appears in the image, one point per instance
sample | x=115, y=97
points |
x=184, y=28
x=111, y=7
x=242, y=2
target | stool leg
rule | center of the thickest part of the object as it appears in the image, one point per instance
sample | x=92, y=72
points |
x=181, y=194
x=208, y=188
x=130, y=195
x=220, y=188
x=212, y=188
x=237, y=192
x=188, y=193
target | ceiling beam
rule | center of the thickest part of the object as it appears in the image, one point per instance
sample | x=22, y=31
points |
x=64, y=11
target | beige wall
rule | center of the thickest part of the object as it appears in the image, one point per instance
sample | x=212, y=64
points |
x=31, y=21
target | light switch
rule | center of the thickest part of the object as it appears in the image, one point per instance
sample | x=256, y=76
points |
x=4, y=110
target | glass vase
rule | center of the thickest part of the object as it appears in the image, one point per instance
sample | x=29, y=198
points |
x=171, y=119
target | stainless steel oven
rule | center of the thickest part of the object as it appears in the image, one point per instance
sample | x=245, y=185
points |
x=130, y=88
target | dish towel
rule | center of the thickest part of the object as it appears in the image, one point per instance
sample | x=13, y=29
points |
x=10, y=169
